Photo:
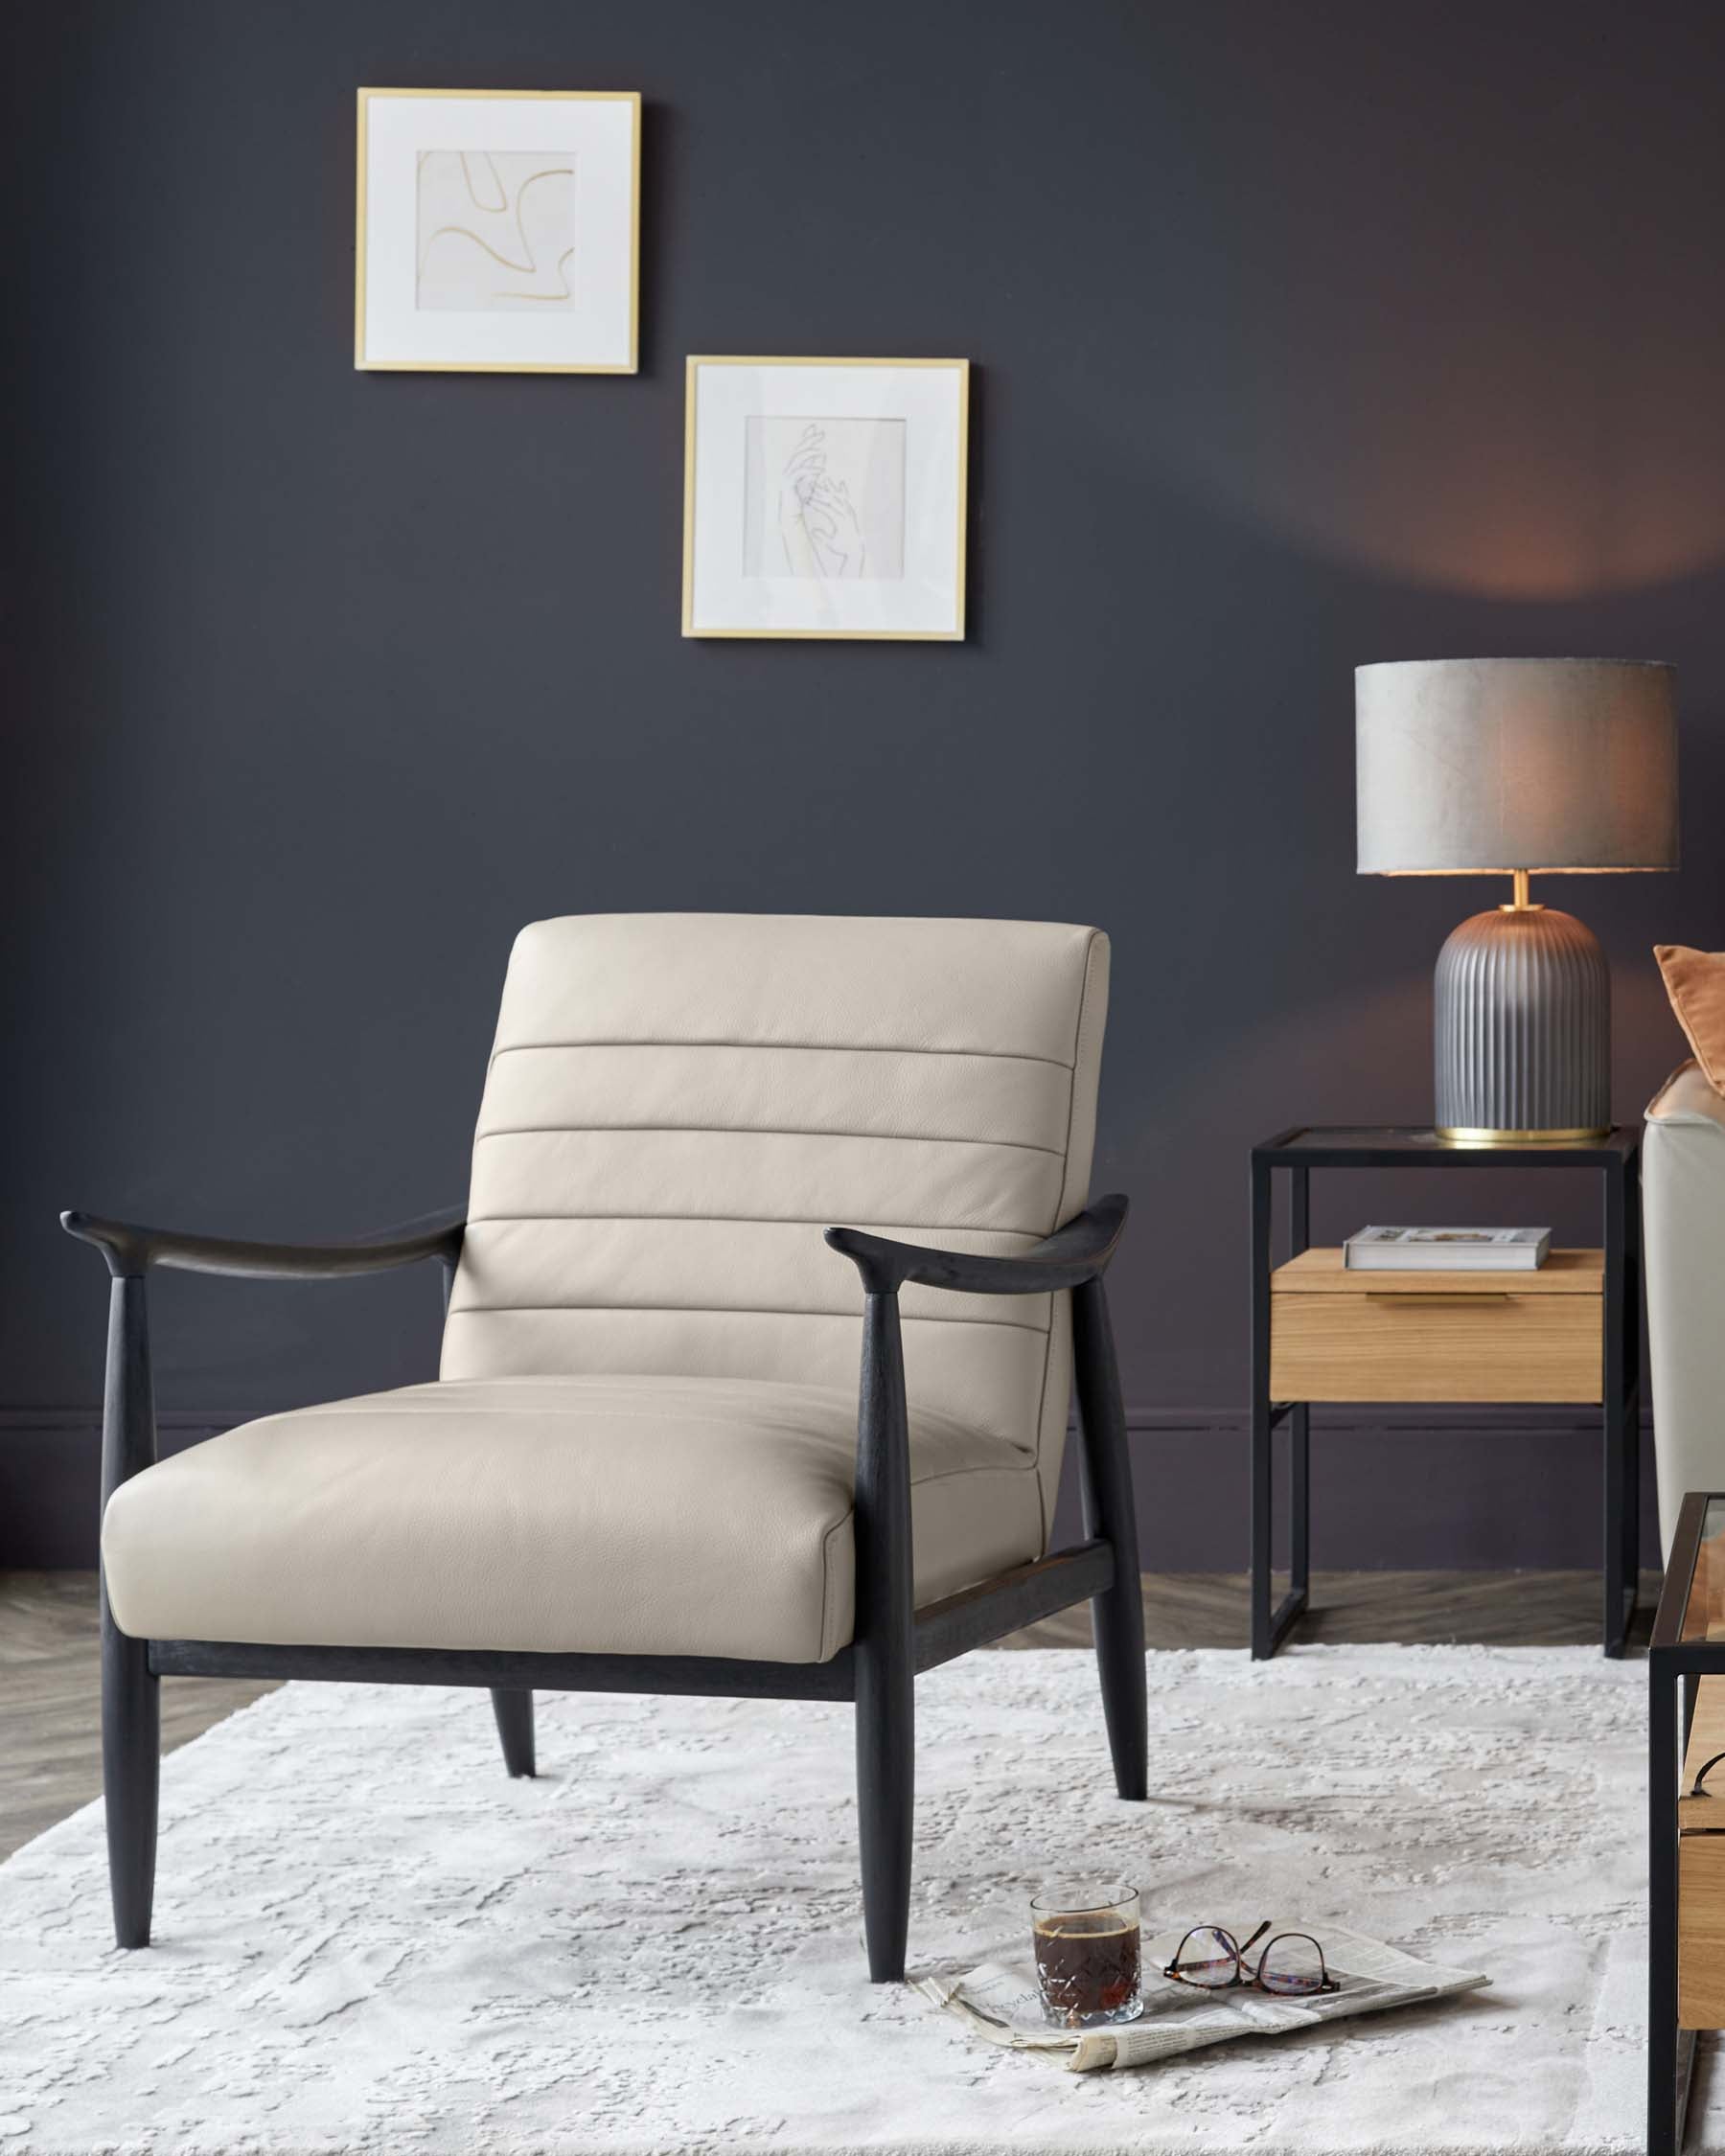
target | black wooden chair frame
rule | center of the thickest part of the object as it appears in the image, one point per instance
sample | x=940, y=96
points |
x=893, y=1641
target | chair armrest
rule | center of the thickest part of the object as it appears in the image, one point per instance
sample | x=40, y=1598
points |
x=129, y=1249
x=1078, y=1252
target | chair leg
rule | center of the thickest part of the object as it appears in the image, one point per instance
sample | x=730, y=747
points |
x=886, y=1809
x=1110, y=1514
x=131, y=1777
x=132, y=1697
x=883, y=1650
x=1118, y=1621
x=514, y=1726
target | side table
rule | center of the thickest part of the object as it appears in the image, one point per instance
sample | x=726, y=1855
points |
x=1570, y=1332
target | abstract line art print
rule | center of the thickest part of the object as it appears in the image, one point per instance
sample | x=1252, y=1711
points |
x=498, y=231
x=823, y=498
x=495, y=231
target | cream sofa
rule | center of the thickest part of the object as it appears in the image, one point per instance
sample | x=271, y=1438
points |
x=1683, y=1212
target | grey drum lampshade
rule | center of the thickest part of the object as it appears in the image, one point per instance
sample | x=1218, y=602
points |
x=1470, y=767
x=1473, y=764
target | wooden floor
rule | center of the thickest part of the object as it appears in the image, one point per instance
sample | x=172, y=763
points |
x=50, y=1753
x=50, y=1695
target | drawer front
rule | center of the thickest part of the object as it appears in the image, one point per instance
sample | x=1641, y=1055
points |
x=1701, y=1931
x=1429, y=1346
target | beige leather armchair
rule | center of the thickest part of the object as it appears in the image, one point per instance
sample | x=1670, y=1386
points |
x=1683, y=1214
x=644, y=1465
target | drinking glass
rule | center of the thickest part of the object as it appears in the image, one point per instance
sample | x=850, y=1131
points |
x=1088, y=1956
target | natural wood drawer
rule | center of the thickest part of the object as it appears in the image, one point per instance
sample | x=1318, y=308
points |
x=1701, y=1871
x=1336, y=1335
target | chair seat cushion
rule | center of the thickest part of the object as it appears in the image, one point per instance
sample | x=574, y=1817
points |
x=600, y=1515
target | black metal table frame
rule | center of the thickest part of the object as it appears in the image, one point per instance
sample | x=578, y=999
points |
x=1675, y=1665
x=1302, y=1148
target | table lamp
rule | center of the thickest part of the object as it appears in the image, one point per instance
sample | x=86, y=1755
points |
x=1517, y=768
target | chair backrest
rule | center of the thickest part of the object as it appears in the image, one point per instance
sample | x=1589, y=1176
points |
x=678, y=1104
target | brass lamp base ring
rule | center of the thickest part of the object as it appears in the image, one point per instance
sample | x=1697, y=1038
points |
x=1520, y=1137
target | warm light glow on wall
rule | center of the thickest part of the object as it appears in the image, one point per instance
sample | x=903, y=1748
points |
x=1461, y=329
x=1432, y=476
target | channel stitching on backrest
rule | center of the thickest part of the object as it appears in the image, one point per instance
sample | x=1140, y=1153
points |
x=678, y=1104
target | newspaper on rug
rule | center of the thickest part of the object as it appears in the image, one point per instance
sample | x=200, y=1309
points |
x=1000, y=2001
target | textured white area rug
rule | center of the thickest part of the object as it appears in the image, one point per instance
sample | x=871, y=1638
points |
x=369, y=1938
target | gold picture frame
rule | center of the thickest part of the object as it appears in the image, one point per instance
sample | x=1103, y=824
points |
x=699, y=622
x=369, y=361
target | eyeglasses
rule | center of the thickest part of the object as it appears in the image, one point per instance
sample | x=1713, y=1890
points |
x=1290, y=1965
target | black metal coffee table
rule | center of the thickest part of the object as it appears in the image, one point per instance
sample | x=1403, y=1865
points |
x=1686, y=1838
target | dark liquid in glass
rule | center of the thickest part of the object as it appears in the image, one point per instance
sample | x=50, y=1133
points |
x=1087, y=1966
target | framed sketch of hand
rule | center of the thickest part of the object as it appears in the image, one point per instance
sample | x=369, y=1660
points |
x=825, y=497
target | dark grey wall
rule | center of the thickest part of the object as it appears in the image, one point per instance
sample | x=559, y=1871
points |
x=1303, y=334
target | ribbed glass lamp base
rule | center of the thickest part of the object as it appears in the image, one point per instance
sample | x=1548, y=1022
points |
x=1523, y=1030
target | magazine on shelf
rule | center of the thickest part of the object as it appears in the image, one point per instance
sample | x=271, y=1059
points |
x=1447, y=1250
x=999, y=2001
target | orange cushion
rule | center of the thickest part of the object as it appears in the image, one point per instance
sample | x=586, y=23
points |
x=1696, y=982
